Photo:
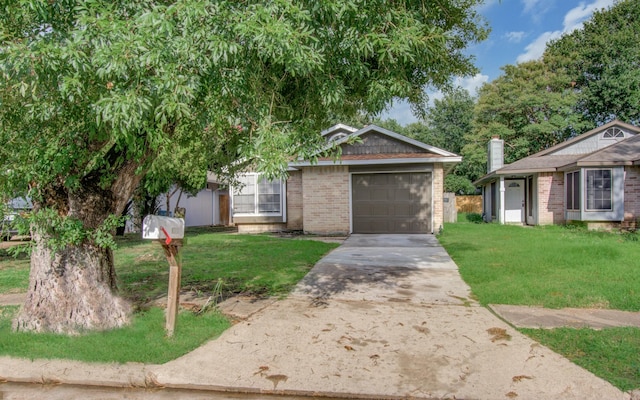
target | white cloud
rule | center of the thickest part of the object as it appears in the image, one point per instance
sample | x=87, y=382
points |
x=515, y=37
x=534, y=50
x=529, y=5
x=472, y=84
x=400, y=111
x=573, y=20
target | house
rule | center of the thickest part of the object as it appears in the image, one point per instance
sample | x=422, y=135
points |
x=593, y=178
x=210, y=206
x=382, y=183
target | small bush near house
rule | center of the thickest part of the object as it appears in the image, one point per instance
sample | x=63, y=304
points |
x=474, y=218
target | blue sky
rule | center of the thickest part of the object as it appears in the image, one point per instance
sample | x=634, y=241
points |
x=519, y=31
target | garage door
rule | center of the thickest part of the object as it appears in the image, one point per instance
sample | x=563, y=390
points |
x=391, y=202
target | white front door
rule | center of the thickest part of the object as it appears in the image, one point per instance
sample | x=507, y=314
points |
x=514, y=201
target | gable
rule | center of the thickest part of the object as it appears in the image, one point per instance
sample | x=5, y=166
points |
x=594, y=140
x=373, y=143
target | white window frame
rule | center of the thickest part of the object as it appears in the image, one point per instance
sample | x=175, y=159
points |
x=613, y=133
x=257, y=178
x=586, y=189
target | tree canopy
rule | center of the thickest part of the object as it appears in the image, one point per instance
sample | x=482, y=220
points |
x=94, y=92
x=603, y=61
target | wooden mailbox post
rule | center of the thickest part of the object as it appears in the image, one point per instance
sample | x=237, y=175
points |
x=168, y=232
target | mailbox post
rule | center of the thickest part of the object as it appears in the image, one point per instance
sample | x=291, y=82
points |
x=168, y=232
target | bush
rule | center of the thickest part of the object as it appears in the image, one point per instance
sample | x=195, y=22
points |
x=475, y=218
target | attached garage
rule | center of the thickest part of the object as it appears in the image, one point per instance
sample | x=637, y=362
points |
x=391, y=202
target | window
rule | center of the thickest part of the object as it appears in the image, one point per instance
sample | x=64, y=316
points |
x=572, y=185
x=258, y=196
x=598, y=191
x=613, y=133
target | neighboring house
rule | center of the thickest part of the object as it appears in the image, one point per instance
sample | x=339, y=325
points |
x=593, y=178
x=383, y=182
x=210, y=206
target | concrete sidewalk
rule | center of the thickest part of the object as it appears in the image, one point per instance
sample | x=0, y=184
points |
x=382, y=316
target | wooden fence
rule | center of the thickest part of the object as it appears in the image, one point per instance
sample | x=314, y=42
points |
x=469, y=204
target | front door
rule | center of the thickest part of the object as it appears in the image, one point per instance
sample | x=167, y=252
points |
x=514, y=201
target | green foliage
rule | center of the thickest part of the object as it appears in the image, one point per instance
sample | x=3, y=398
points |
x=602, y=61
x=458, y=184
x=474, y=218
x=530, y=107
x=450, y=119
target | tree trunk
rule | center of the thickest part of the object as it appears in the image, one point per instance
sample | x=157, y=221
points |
x=71, y=291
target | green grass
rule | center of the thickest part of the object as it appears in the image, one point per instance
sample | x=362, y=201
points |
x=549, y=266
x=14, y=273
x=557, y=267
x=143, y=341
x=611, y=354
x=250, y=264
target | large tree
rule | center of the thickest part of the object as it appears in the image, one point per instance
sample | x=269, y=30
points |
x=603, y=61
x=93, y=91
x=530, y=106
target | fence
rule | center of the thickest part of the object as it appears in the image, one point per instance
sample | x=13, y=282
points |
x=450, y=213
x=469, y=204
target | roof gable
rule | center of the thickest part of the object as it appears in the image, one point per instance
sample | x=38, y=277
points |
x=376, y=140
x=592, y=140
x=373, y=145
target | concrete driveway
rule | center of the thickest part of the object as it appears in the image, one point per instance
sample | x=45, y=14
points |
x=382, y=316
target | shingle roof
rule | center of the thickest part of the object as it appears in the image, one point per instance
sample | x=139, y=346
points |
x=626, y=152
x=536, y=163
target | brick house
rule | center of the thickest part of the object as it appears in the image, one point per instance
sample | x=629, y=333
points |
x=383, y=182
x=592, y=178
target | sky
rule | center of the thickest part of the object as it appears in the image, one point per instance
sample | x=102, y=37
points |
x=520, y=30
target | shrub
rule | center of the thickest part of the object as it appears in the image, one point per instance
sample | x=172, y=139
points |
x=475, y=218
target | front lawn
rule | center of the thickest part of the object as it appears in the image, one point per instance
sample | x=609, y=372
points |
x=557, y=267
x=551, y=266
x=249, y=264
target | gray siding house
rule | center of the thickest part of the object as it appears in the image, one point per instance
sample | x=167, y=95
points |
x=593, y=178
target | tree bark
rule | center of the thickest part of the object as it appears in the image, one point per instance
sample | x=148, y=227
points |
x=71, y=291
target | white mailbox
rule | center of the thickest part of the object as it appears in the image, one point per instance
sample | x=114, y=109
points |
x=158, y=227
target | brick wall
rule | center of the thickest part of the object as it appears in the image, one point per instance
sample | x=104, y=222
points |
x=550, y=198
x=631, y=197
x=325, y=193
x=294, y=200
x=438, y=193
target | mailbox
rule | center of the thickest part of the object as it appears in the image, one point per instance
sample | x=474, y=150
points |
x=158, y=227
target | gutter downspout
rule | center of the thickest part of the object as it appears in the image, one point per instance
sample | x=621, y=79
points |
x=501, y=206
